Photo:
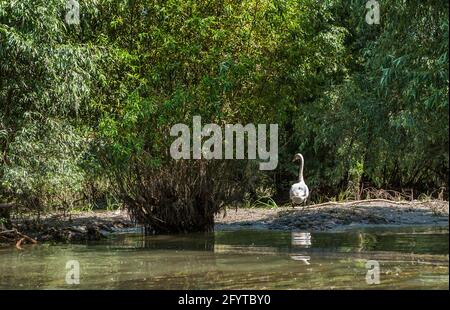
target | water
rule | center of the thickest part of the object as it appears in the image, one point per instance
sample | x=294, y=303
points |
x=409, y=258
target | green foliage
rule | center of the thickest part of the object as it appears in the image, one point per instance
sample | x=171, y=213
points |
x=45, y=85
x=43, y=167
x=390, y=116
x=85, y=110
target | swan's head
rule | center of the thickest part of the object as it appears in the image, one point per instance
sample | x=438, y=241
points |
x=297, y=157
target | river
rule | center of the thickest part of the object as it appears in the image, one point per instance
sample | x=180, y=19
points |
x=406, y=258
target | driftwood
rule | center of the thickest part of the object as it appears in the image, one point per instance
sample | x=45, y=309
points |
x=355, y=202
x=14, y=236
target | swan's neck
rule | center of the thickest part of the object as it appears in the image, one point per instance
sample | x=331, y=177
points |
x=300, y=175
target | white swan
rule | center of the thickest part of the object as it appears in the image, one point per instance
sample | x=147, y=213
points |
x=299, y=191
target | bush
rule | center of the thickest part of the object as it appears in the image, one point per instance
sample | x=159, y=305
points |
x=43, y=169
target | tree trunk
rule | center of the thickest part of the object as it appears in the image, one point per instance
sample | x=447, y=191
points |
x=5, y=215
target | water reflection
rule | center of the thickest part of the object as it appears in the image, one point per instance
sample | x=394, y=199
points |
x=237, y=259
x=301, y=239
x=302, y=258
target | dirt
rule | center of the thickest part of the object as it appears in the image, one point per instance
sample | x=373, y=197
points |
x=336, y=217
x=78, y=227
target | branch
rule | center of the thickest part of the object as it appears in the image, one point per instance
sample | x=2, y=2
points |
x=355, y=202
x=6, y=235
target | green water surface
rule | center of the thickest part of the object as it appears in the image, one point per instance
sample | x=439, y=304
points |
x=408, y=258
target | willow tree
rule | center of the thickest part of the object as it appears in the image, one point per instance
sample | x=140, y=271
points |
x=46, y=79
x=365, y=104
x=228, y=61
x=386, y=125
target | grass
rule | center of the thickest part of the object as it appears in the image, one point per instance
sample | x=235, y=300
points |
x=263, y=202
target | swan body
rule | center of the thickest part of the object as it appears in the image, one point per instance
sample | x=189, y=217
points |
x=299, y=191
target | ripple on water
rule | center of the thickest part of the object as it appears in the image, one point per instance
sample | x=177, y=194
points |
x=409, y=258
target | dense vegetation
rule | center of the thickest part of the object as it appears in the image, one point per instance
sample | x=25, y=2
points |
x=86, y=110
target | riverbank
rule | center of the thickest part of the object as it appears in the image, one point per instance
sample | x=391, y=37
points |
x=95, y=225
x=335, y=216
x=78, y=227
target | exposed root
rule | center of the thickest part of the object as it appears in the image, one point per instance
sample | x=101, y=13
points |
x=19, y=243
x=182, y=197
x=15, y=237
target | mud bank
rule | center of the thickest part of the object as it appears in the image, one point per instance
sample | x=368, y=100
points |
x=78, y=227
x=337, y=216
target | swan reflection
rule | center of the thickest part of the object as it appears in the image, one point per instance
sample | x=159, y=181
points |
x=301, y=239
x=302, y=258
